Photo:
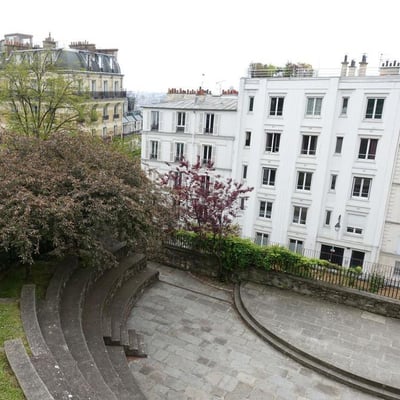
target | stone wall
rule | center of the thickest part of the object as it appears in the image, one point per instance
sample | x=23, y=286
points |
x=205, y=264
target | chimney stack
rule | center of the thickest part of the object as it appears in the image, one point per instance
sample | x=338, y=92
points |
x=363, y=66
x=352, y=68
x=345, y=63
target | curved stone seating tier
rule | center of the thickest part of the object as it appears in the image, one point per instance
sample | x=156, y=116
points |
x=70, y=315
x=42, y=358
x=27, y=376
x=50, y=324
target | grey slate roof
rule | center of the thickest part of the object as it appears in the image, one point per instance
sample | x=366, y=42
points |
x=199, y=103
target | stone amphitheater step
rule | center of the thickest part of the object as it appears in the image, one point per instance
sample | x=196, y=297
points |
x=50, y=325
x=71, y=321
x=118, y=358
x=42, y=358
x=365, y=385
x=27, y=376
x=122, y=303
x=106, y=286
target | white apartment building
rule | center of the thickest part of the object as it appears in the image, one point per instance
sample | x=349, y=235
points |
x=322, y=154
x=190, y=125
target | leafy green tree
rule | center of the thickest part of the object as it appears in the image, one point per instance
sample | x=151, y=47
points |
x=38, y=99
x=68, y=193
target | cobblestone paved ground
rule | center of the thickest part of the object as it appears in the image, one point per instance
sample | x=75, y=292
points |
x=199, y=349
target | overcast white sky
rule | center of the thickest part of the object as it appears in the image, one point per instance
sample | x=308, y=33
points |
x=187, y=43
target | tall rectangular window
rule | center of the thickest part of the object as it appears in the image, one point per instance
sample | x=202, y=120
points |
x=309, y=145
x=374, y=108
x=361, y=187
x=265, y=209
x=299, y=215
x=339, y=144
x=207, y=154
x=268, y=176
x=155, y=116
x=244, y=171
x=154, y=149
x=345, y=104
x=333, y=182
x=93, y=86
x=276, y=106
x=179, y=151
x=209, y=123
x=261, y=238
x=367, y=150
x=272, y=142
x=247, y=140
x=304, y=180
x=251, y=103
x=296, y=246
x=314, y=105
x=328, y=214
x=181, y=121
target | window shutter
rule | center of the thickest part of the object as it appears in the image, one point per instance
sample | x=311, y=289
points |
x=147, y=115
x=174, y=121
x=216, y=124
x=144, y=148
x=160, y=122
x=188, y=120
x=214, y=154
x=171, y=153
x=158, y=150
x=201, y=122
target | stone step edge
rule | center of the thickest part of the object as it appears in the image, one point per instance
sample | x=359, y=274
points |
x=352, y=380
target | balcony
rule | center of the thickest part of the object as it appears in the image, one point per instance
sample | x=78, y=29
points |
x=109, y=95
x=154, y=127
x=106, y=117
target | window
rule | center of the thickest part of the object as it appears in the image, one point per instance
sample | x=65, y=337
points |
x=179, y=151
x=154, y=120
x=361, y=187
x=339, y=144
x=261, y=239
x=299, y=215
x=247, y=140
x=328, y=214
x=244, y=171
x=116, y=111
x=105, y=86
x=93, y=85
x=153, y=149
x=265, y=209
x=105, y=113
x=207, y=154
x=276, y=106
x=181, y=120
x=309, y=145
x=396, y=270
x=374, y=108
x=273, y=141
x=345, y=104
x=205, y=182
x=104, y=131
x=314, y=105
x=209, y=123
x=268, y=176
x=367, y=149
x=251, y=103
x=242, y=203
x=333, y=182
x=304, y=180
x=352, y=229
x=296, y=246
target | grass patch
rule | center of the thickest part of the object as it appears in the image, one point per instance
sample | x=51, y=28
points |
x=12, y=280
x=10, y=328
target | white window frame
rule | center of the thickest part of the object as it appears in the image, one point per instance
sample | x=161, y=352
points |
x=180, y=121
x=251, y=104
x=369, y=154
x=374, y=114
x=362, y=182
x=179, y=151
x=207, y=153
x=209, y=123
x=327, y=217
x=276, y=110
x=314, y=106
x=354, y=230
x=247, y=139
x=154, y=150
x=345, y=105
x=302, y=180
x=265, y=209
x=333, y=182
x=339, y=145
x=311, y=146
x=272, y=142
x=300, y=215
x=296, y=245
x=264, y=238
x=270, y=178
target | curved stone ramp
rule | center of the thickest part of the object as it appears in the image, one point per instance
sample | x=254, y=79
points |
x=42, y=358
x=352, y=380
x=27, y=376
x=50, y=325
